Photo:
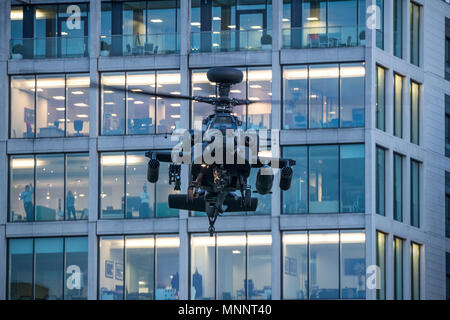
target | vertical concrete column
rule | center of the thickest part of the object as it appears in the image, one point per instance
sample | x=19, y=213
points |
x=94, y=120
x=5, y=7
x=277, y=78
x=185, y=47
x=389, y=101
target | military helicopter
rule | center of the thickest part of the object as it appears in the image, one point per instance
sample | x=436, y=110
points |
x=214, y=185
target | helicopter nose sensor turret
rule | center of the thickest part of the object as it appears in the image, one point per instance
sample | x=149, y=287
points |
x=225, y=75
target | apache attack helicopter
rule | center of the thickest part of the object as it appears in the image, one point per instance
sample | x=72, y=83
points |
x=214, y=185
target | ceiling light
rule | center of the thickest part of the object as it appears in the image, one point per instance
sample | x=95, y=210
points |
x=136, y=90
x=175, y=104
x=195, y=24
x=60, y=109
x=255, y=27
x=255, y=86
x=108, y=91
x=175, y=116
x=312, y=19
x=80, y=104
x=216, y=18
x=78, y=92
x=215, y=45
x=156, y=20
x=82, y=115
x=22, y=163
x=175, y=92
x=285, y=20
x=235, y=91
x=232, y=26
x=139, y=102
x=197, y=89
x=109, y=103
x=59, y=98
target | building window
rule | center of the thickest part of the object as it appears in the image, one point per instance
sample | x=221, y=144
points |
x=415, y=271
x=246, y=258
x=447, y=204
x=321, y=23
x=447, y=126
x=125, y=191
x=140, y=27
x=127, y=112
x=380, y=99
x=398, y=105
x=398, y=28
x=231, y=25
x=257, y=86
x=49, y=106
x=47, y=31
x=312, y=260
x=398, y=268
x=381, y=263
x=380, y=180
x=415, y=33
x=415, y=193
x=330, y=176
x=330, y=96
x=447, y=49
x=447, y=276
x=142, y=267
x=415, y=102
x=380, y=24
x=49, y=187
x=398, y=187
x=48, y=268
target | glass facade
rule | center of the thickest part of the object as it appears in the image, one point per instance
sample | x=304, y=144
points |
x=49, y=187
x=138, y=267
x=398, y=105
x=398, y=187
x=415, y=193
x=322, y=23
x=125, y=191
x=398, y=268
x=380, y=181
x=48, y=268
x=49, y=31
x=381, y=264
x=231, y=266
x=256, y=86
x=132, y=113
x=140, y=27
x=323, y=96
x=49, y=106
x=230, y=25
x=415, y=271
x=327, y=179
x=324, y=264
x=398, y=28
x=447, y=204
x=415, y=114
x=380, y=118
x=380, y=23
x=415, y=33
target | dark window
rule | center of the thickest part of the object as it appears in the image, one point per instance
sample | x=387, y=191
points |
x=380, y=181
x=447, y=204
x=447, y=49
x=398, y=28
x=447, y=126
x=398, y=187
x=414, y=33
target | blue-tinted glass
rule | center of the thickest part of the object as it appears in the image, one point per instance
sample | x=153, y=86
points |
x=380, y=113
x=76, y=268
x=139, y=267
x=73, y=40
x=398, y=268
x=323, y=179
x=259, y=266
x=203, y=267
x=20, y=267
x=352, y=94
x=343, y=21
x=352, y=178
x=398, y=102
x=21, y=201
x=353, y=266
x=380, y=23
x=163, y=189
x=167, y=266
x=77, y=186
x=295, y=199
x=22, y=106
x=77, y=105
x=398, y=21
x=381, y=263
x=295, y=97
x=112, y=185
x=415, y=271
x=398, y=187
x=415, y=180
x=414, y=33
x=323, y=265
x=380, y=181
x=113, y=104
x=295, y=265
x=140, y=108
x=50, y=199
x=45, y=31
x=111, y=273
x=49, y=269
x=415, y=112
x=140, y=193
x=324, y=96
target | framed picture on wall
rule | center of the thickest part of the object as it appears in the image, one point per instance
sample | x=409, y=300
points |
x=119, y=271
x=109, y=269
